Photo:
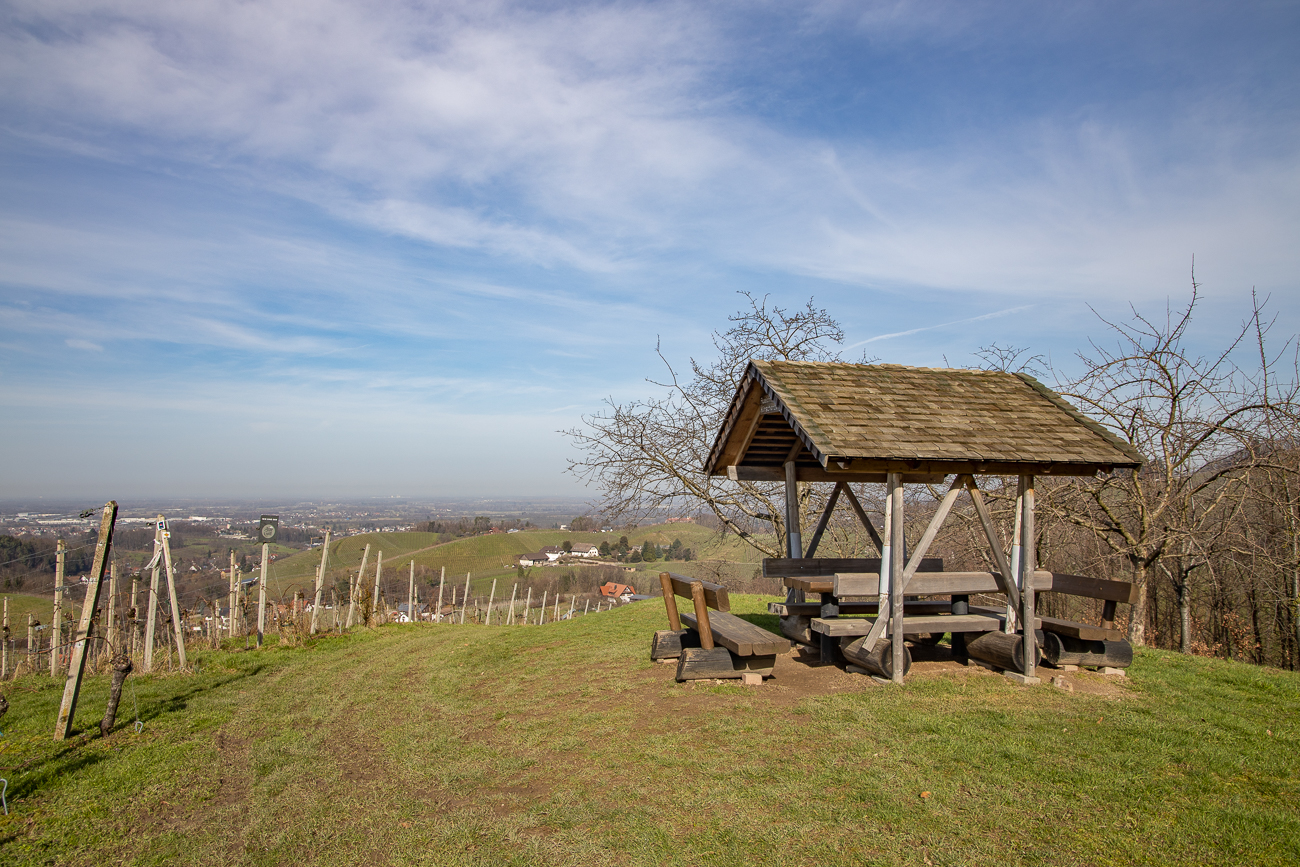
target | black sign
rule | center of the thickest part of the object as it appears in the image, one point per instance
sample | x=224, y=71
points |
x=269, y=528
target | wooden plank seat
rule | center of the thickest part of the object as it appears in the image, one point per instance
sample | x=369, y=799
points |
x=814, y=609
x=714, y=645
x=838, y=627
x=740, y=636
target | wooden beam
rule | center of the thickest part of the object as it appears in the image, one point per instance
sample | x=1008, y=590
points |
x=178, y=628
x=77, y=666
x=866, y=522
x=1006, y=585
x=931, y=531
x=715, y=595
x=670, y=602
x=825, y=519
x=774, y=567
x=818, y=474
x=701, y=615
x=794, y=543
x=978, y=468
x=1028, y=564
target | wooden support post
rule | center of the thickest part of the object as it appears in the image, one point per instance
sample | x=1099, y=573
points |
x=410, y=595
x=894, y=482
x=56, y=623
x=1013, y=610
x=541, y=612
x=670, y=602
x=4, y=643
x=1027, y=568
x=320, y=581
x=528, y=605
x=354, y=587
x=586, y=607
x=556, y=615
x=77, y=666
x=487, y=621
x=442, y=577
x=573, y=600
x=110, y=613
x=232, y=589
x=178, y=626
x=465, y=601
x=151, y=616
x=33, y=649
x=513, y=590
x=701, y=615
x=374, y=600
x=261, y=593
x=792, y=531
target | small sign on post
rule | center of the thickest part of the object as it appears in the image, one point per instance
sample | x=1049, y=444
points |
x=268, y=529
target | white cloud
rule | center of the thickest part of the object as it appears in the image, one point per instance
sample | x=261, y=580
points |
x=78, y=343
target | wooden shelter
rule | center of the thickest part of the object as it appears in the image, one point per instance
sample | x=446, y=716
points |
x=798, y=421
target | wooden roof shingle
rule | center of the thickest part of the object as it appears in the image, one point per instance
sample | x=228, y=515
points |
x=891, y=418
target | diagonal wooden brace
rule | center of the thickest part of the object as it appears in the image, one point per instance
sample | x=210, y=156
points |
x=1003, y=574
x=825, y=519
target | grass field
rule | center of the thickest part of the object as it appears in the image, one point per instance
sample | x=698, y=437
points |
x=485, y=557
x=564, y=744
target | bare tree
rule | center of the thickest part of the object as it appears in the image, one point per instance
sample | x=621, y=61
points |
x=647, y=457
x=1198, y=420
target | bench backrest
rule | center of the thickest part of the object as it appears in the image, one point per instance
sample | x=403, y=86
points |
x=804, y=567
x=715, y=595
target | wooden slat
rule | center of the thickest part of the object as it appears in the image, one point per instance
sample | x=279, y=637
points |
x=1080, y=585
x=1080, y=630
x=814, y=609
x=788, y=567
x=715, y=595
x=740, y=636
x=922, y=584
x=809, y=585
x=840, y=626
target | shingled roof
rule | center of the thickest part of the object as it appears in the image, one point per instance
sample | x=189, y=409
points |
x=860, y=418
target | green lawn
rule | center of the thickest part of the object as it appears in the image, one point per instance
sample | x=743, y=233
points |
x=564, y=744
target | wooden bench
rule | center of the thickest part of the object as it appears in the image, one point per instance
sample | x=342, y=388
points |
x=715, y=642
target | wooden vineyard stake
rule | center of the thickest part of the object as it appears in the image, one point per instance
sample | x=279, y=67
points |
x=135, y=613
x=586, y=608
x=56, y=624
x=513, y=590
x=320, y=582
x=33, y=650
x=464, y=599
x=77, y=665
x=374, y=601
x=178, y=628
x=261, y=593
x=354, y=588
x=110, y=612
x=487, y=621
x=573, y=600
x=4, y=643
x=410, y=596
x=151, y=618
x=442, y=578
x=528, y=605
x=232, y=588
x=541, y=612
x=556, y=615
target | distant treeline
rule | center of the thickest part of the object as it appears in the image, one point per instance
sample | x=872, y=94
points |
x=458, y=528
x=29, y=560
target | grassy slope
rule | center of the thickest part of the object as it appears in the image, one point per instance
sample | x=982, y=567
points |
x=563, y=744
x=42, y=606
x=486, y=557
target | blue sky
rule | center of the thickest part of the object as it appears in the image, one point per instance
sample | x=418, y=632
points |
x=349, y=249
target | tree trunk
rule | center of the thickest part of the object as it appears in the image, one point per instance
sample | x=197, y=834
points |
x=121, y=668
x=1184, y=591
x=1137, y=625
